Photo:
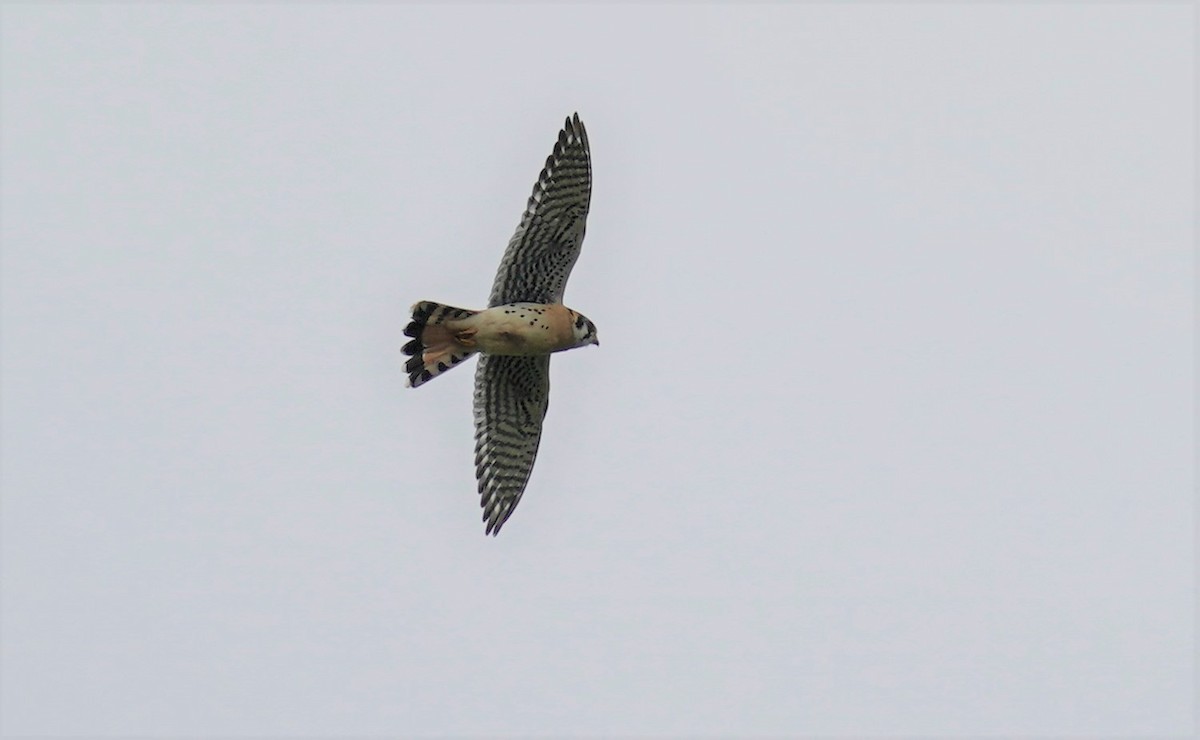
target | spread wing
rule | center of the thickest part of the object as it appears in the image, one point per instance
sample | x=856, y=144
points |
x=544, y=248
x=511, y=397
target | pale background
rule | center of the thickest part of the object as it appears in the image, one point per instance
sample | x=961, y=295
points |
x=890, y=429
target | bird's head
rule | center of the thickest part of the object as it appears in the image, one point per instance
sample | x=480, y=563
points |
x=584, y=330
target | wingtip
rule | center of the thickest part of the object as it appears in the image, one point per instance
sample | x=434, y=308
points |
x=495, y=513
x=493, y=527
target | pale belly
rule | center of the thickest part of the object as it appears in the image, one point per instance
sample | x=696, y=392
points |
x=521, y=329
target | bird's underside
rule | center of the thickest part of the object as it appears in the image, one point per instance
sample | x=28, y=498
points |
x=524, y=323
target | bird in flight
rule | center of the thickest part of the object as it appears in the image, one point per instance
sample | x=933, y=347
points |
x=524, y=323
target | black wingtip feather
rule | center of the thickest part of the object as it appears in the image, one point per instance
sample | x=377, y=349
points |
x=494, y=523
x=575, y=126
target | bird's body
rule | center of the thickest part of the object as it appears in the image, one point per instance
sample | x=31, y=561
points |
x=524, y=323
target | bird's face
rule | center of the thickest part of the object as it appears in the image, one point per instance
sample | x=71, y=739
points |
x=584, y=330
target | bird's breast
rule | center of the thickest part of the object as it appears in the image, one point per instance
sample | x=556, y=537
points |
x=523, y=329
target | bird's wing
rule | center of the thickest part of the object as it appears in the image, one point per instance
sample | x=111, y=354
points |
x=512, y=394
x=544, y=248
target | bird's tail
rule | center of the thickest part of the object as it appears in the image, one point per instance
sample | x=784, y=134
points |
x=437, y=344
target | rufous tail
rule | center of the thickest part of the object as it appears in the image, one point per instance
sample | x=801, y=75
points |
x=437, y=345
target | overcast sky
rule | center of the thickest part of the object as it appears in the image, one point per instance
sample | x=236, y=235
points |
x=889, y=432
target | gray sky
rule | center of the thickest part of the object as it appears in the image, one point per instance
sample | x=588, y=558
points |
x=890, y=429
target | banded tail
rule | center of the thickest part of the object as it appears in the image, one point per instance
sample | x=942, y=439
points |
x=436, y=346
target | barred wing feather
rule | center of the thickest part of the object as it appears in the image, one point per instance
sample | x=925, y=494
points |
x=546, y=245
x=512, y=394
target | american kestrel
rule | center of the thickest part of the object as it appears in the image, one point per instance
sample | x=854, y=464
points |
x=524, y=323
